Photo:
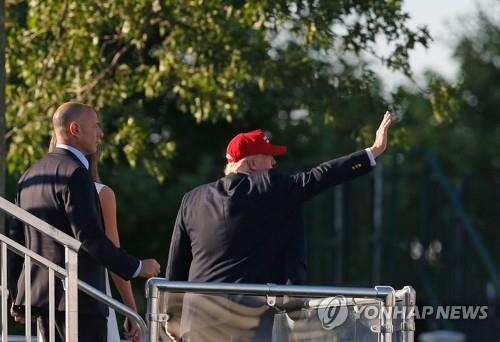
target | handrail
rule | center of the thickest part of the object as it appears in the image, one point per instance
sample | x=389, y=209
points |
x=39, y=224
x=41, y=261
x=113, y=303
x=71, y=247
x=154, y=284
x=69, y=274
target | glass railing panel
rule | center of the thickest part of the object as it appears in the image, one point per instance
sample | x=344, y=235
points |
x=226, y=317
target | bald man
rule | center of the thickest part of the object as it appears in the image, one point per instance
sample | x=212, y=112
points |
x=59, y=190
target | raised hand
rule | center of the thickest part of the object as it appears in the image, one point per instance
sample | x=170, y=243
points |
x=380, y=143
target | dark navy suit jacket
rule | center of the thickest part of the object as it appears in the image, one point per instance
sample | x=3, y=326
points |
x=247, y=228
x=59, y=190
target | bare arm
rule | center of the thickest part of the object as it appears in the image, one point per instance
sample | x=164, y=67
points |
x=108, y=206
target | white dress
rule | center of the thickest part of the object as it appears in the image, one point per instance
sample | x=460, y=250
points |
x=113, y=332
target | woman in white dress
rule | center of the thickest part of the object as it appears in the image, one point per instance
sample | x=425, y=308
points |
x=108, y=207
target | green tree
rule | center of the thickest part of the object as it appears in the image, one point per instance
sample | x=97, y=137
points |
x=476, y=129
x=459, y=124
x=468, y=112
x=140, y=63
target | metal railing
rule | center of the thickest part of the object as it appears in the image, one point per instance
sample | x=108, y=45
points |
x=69, y=274
x=325, y=307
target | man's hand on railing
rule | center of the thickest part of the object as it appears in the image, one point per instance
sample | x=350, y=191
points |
x=17, y=314
x=150, y=268
x=132, y=330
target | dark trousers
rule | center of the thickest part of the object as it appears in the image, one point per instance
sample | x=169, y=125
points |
x=91, y=328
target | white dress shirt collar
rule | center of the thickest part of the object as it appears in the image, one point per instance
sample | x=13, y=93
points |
x=76, y=152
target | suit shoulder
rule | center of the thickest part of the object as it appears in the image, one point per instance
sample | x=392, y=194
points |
x=54, y=165
x=198, y=190
x=268, y=176
x=63, y=159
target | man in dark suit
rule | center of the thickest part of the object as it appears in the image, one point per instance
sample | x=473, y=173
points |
x=240, y=227
x=59, y=190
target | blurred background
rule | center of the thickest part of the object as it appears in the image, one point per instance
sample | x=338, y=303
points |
x=174, y=80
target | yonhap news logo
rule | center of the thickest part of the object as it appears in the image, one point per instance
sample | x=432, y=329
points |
x=334, y=311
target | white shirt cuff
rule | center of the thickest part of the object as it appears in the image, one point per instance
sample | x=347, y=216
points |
x=370, y=156
x=138, y=270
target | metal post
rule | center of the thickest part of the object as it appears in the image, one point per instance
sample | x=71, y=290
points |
x=408, y=323
x=52, y=308
x=27, y=296
x=388, y=303
x=71, y=283
x=152, y=295
x=5, y=331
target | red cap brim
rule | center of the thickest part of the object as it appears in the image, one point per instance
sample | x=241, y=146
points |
x=276, y=150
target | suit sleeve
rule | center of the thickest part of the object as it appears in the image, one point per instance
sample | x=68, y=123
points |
x=306, y=185
x=81, y=205
x=179, y=256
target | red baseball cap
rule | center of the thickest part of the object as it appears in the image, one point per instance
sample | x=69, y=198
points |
x=250, y=144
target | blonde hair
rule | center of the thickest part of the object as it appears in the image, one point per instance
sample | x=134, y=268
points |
x=53, y=143
x=241, y=165
x=234, y=167
x=93, y=163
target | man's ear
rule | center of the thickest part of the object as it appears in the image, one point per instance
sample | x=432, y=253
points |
x=74, y=128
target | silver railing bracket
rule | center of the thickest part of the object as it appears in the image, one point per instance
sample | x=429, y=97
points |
x=271, y=300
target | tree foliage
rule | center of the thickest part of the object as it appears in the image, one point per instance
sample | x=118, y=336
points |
x=459, y=123
x=467, y=109
x=142, y=64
